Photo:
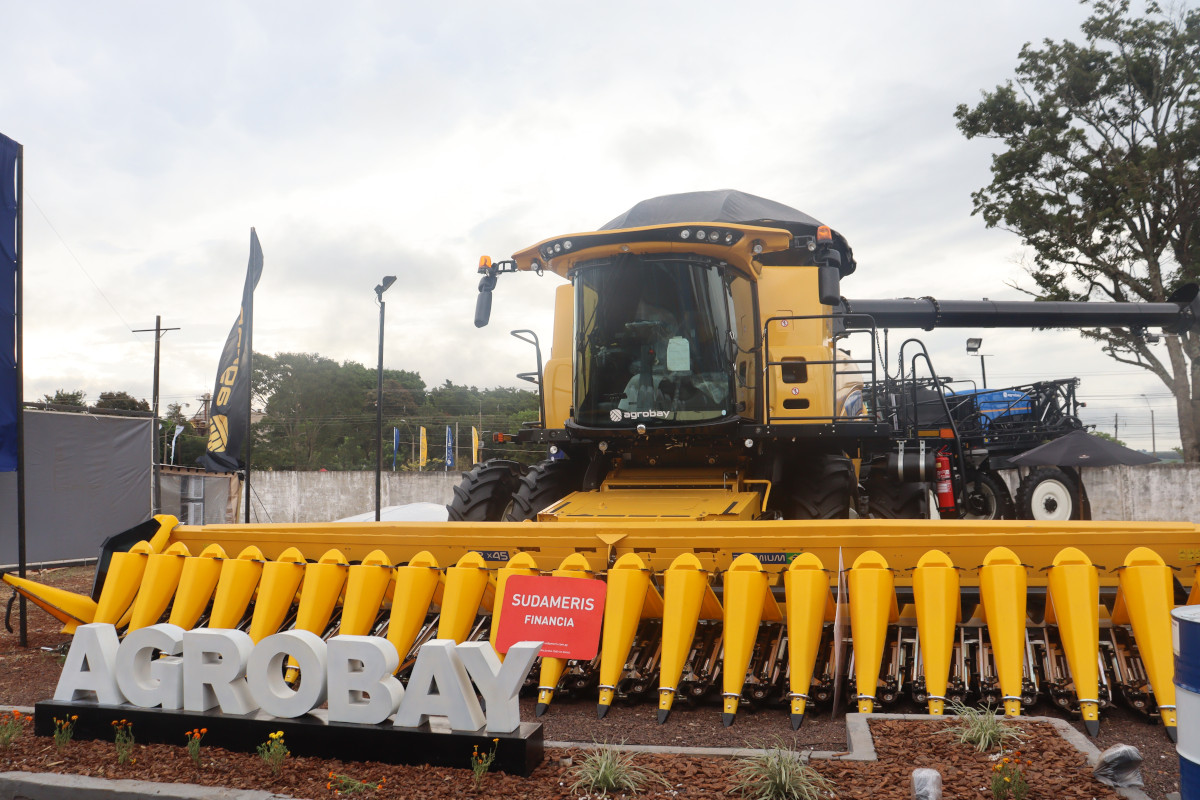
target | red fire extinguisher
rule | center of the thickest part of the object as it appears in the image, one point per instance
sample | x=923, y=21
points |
x=945, y=489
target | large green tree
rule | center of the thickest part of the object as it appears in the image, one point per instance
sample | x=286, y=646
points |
x=121, y=401
x=1098, y=174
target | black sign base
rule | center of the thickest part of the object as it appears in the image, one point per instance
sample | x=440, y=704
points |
x=517, y=753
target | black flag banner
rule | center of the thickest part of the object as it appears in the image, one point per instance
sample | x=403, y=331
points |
x=229, y=414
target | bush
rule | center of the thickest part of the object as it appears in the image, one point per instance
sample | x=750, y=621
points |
x=779, y=773
x=605, y=769
x=981, y=728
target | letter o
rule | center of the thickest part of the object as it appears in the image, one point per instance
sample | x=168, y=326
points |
x=265, y=673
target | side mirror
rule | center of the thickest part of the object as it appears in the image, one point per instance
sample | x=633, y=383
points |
x=829, y=285
x=483, y=308
x=483, y=303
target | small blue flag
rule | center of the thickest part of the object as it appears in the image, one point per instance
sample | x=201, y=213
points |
x=449, y=448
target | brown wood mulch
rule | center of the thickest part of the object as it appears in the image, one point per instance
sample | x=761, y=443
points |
x=1057, y=770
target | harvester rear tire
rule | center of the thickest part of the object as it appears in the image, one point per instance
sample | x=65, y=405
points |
x=821, y=490
x=1048, y=493
x=997, y=501
x=545, y=483
x=485, y=493
x=889, y=500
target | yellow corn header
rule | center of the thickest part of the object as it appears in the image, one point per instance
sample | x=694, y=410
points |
x=1002, y=612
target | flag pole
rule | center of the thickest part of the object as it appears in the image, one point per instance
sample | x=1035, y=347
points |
x=249, y=367
x=21, y=553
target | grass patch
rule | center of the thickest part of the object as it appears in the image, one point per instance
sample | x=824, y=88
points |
x=981, y=728
x=604, y=769
x=779, y=773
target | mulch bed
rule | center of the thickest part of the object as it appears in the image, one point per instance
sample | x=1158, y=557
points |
x=28, y=675
x=1058, y=771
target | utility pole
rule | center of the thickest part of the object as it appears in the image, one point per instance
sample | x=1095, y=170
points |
x=1116, y=426
x=159, y=332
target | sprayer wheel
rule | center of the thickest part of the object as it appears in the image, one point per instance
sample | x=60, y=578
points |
x=890, y=500
x=544, y=483
x=1048, y=493
x=821, y=490
x=993, y=500
x=485, y=493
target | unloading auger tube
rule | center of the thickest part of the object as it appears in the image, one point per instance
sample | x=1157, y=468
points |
x=728, y=611
x=1177, y=315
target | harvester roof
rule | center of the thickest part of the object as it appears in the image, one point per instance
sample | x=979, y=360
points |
x=726, y=205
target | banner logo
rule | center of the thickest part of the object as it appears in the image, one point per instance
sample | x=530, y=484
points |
x=218, y=434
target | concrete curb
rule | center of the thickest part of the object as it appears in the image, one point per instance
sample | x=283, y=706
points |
x=52, y=786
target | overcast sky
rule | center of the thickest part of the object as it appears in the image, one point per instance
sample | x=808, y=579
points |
x=365, y=139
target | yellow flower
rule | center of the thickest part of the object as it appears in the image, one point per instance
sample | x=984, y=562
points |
x=1006, y=760
x=1008, y=780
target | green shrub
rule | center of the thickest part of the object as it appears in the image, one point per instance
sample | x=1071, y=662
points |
x=779, y=773
x=981, y=728
x=605, y=769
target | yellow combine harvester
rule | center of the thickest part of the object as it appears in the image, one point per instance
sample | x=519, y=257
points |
x=718, y=455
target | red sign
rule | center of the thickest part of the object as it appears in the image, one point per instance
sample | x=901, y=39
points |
x=565, y=614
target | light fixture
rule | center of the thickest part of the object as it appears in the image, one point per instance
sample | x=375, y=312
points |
x=973, y=345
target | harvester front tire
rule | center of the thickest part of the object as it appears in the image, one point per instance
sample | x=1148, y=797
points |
x=823, y=490
x=485, y=493
x=996, y=502
x=889, y=500
x=1048, y=494
x=544, y=483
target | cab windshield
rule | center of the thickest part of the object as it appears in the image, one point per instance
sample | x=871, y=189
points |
x=653, y=342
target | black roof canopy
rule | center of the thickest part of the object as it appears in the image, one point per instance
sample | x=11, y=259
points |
x=726, y=205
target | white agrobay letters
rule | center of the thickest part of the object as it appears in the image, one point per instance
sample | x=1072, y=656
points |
x=208, y=668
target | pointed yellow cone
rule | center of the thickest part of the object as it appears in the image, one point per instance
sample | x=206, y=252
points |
x=276, y=592
x=745, y=595
x=465, y=585
x=575, y=565
x=519, y=564
x=935, y=591
x=806, y=587
x=69, y=608
x=121, y=583
x=197, y=582
x=1002, y=586
x=872, y=606
x=625, y=596
x=416, y=582
x=1075, y=598
x=687, y=596
x=366, y=585
x=1144, y=600
x=159, y=583
x=239, y=579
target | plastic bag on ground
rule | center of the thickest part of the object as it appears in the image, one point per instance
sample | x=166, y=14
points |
x=926, y=784
x=1120, y=766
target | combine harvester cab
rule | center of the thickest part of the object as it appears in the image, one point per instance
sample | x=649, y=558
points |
x=718, y=452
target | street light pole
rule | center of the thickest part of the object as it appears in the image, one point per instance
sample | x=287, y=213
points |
x=973, y=345
x=379, y=290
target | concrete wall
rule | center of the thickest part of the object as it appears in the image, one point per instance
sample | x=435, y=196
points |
x=325, y=496
x=1154, y=492
x=1167, y=492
